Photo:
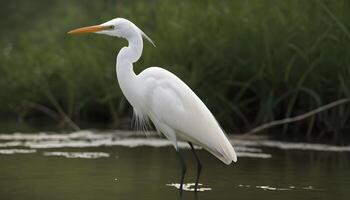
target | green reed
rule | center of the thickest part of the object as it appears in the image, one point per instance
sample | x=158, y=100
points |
x=250, y=61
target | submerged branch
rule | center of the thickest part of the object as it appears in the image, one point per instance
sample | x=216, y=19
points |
x=299, y=117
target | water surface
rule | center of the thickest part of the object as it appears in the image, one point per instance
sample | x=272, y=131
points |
x=118, y=165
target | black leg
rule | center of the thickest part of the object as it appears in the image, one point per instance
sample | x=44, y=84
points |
x=183, y=169
x=199, y=166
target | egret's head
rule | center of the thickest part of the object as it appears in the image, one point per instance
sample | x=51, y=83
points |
x=117, y=27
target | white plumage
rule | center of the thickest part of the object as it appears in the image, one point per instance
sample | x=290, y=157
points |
x=179, y=114
x=158, y=95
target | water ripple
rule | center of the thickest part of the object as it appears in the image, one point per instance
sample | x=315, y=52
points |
x=15, y=151
x=86, y=155
x=292, y=145
x=189, y=187
x=273, y=188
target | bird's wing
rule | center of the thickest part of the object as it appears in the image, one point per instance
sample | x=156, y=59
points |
x=170, y=102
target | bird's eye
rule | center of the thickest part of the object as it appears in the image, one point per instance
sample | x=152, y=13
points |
x=111, y=27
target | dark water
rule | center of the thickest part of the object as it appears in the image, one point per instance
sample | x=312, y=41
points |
x=143, y=173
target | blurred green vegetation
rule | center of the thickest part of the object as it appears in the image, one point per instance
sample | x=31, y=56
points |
x=250, y=61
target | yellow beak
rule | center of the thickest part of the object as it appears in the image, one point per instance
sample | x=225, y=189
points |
x=89, y=29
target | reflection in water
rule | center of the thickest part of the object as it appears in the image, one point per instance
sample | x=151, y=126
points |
x=87, y=138
x=15, y=151
x=86, y=155
x=291, y=145
x=189, y=187
x=253, y=155
x=267, y=187
x=28, y=172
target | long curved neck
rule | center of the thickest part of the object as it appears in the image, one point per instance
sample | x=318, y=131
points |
x=126, y=76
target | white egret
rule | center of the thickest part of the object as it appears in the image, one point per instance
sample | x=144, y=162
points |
x=158, y=95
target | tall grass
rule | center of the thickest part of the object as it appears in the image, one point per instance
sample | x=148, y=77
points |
x=250, y=61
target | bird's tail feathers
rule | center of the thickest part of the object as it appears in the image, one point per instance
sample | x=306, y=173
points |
x=224, y=152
